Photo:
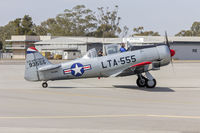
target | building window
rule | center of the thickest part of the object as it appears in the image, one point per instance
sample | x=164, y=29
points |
x=194, y=50
x=74, y=54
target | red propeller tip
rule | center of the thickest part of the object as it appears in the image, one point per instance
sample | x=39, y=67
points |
x=172, y=52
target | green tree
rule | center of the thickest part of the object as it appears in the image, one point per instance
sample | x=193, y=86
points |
x=27, y=25
x=125, y=31
x=7, y=30
x=108, y=23
x=194, y=30
x=19, y=26
x=139, y=31
x=49, y=26
x=81, y=21
x=1, y=45
x=78, y=21
x=40, y=30
x=184, y=33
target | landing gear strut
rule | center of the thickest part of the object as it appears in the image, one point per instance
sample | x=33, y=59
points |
x=44, y=85
x=148, y=82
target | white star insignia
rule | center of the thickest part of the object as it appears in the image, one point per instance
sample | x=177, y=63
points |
x=77, y=70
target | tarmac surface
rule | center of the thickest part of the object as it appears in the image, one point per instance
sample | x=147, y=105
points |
x=111, y=105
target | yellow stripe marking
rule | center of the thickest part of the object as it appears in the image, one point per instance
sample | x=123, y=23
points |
x=100, y=116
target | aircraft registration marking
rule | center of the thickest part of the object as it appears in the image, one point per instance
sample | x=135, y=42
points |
x=114, y=62
x=36, y=62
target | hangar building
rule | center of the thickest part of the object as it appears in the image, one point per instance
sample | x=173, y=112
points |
x=187, y=48
x=73, y=47
x=19, y=44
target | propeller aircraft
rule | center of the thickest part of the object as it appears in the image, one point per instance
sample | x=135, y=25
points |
x=138, y=62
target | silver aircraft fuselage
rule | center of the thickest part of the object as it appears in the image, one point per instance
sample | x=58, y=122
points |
x=104, y=66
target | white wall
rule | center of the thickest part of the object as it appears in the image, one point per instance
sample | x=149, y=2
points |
x=185, y=51
x=70, y=55
x=19, y=54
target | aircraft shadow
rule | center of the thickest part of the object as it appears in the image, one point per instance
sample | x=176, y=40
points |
x=157, y=89
x=59, y=87
x=56, y=87
x=185, y=87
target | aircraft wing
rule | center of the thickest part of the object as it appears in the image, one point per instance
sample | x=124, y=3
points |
x=116, y=74
x=137, y=68
x=49, y=67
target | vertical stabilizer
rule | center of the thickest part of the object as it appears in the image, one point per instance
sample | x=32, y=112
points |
x=34, y=60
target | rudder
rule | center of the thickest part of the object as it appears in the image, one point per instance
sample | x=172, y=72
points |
x=34, y=60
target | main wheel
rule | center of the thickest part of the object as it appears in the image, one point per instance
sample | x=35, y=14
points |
x=44, y=85
x=141, y=82
x=151, y=83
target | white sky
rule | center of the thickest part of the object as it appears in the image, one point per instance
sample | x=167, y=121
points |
x=156, y=15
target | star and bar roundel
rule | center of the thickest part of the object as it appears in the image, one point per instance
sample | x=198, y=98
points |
x=77, y=69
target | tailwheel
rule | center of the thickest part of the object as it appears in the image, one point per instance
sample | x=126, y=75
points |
x=151, y=83
x=44, y=85
x=141, y=81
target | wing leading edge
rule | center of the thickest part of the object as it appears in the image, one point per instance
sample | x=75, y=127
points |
x=131, y=70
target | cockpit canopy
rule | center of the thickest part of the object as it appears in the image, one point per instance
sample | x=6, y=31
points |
x=92, y=53
x=108, y=50
x=112, y=49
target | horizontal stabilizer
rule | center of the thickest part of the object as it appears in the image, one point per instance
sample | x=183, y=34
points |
x=49, y=67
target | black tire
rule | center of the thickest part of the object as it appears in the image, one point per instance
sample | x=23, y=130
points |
x=44, y=85
x=151, y=86
x=141, y=82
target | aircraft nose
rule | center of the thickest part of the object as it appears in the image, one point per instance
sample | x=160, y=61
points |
x=172, y=52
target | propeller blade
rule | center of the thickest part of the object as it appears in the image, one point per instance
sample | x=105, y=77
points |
x=166, y=39
x=171, y=61
x=167, y=43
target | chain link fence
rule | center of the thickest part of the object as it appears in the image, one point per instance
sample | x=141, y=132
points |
x=5, y=55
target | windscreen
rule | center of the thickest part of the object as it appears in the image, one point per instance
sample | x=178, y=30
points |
x=92, y=53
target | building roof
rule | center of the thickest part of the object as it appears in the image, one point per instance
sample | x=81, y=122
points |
x=136, y=39
x=62, y=40
x=80, y=40
x=24, y=38
x=161, y=39
x=85, y=40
